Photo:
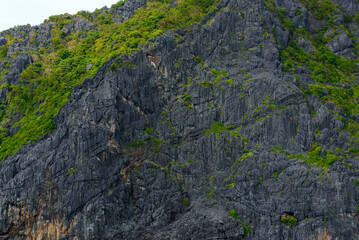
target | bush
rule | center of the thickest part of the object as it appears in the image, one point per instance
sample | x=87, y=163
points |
x=64, y=53
x=289, y=221
x=233, y=214
x=246, y=228
x=315, y=156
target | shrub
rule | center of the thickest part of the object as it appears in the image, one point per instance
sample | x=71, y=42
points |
x=199, y=60
x=233, y=214
x=246, y=228
x=315, y=157
x=289, y=221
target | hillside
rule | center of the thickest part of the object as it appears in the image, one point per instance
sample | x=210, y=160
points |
x=192, y=119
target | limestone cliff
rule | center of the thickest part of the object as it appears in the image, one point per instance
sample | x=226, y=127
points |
x=233, y=128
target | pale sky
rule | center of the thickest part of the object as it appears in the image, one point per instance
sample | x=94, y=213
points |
x=22, y=12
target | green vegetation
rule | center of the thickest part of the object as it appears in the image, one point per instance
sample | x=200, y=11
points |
x=218, y=127
x=138, y=143
x=230, y=82
x=316, y=157
x=148, y=131
x=281, y=13
x=280, y=150
x=326, y=67
x=299, y=156
x=157, y=142
x=46, y=84
x=210, y=194
x=347, y=165
x=118, y=4
x=232, y=184
x=344, y=98
x=233, y=214
x=222, y=130
x=199, y=60
x=72, y=170
x=321, y=9
x=289, y=221
x=335, y=77
x=245, y=156
x=258, y=109
x=186, y=98
x=217, y=75
x=185, y=201
x=246, y=228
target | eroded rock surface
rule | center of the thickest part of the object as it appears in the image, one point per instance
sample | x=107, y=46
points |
x=136, y=153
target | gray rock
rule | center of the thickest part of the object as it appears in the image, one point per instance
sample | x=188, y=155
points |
x=305, y=44
x=89, y=66
x=3, y=41
x=350, y=6
x=138, y=153
x=342, y=46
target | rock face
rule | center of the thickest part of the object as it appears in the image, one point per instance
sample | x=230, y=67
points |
x=350, y=6
x=181, y=148
x=342, y=45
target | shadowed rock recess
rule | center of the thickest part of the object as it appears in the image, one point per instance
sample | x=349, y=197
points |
x=226, y=129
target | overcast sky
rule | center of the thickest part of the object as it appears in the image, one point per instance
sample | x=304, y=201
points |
x=22, y=12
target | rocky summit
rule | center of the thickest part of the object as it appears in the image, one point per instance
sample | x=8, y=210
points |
x=192, y=119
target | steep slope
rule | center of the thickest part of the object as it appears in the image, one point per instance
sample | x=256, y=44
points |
x=243, y=126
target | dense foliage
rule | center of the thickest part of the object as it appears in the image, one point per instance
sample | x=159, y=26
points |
x=335, y=78
x=46, y=84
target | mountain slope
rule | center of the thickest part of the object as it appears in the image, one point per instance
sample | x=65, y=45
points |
x=242, y=126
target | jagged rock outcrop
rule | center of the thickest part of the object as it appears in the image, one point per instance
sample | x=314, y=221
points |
x=342, y=45
x=186, y=142
x=126, y=10
x=350, y=6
